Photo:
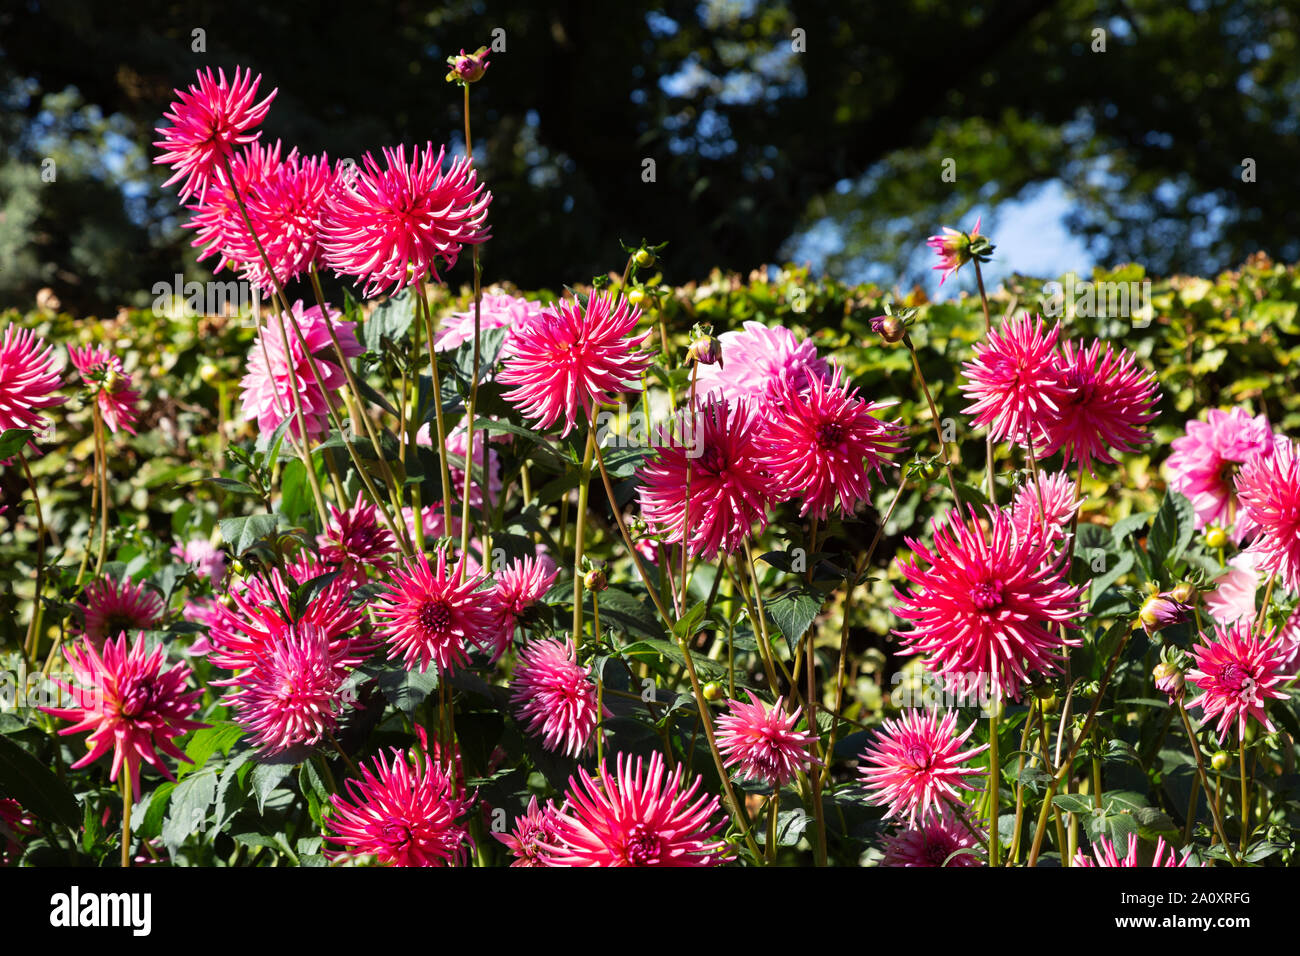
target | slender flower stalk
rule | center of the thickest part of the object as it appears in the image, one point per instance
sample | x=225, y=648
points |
x=934, y=417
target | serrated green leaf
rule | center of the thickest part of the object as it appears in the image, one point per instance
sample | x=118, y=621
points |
x=244, y=532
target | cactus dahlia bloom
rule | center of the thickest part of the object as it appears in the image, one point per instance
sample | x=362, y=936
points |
x=128, y=703
x=758, y=363
x=537, y=824
x=916, y=764
x=554, y=697
x=1206, y=460
x=517, y=587
x=953, y=249
x=109, y=607
x=1106, y=855
x=637, y=815
x=1105, y=406
x=821, y=445
x=104, y=376
x=355, y=539
x=27, y=382
x=573, y=357
x=987, y=603
x=219, y=227
x=934, y=844
x=1233, y=597
x=1238, y=673
x=764, y=743
x=208, y=122
x=1047, y=505
x=1013, y=380
x=1269, y=491
x=403, y=815
x=390, y=226
x=728, y=489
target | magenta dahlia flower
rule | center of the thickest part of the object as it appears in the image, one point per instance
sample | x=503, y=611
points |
x=1269, y=491
x=1014, y=381
x=128, y=703
x=1047, y=505
x=1105, y=854
x=1238, y=673
x=429, y=618
x=517, y=587
x=822, y=444
x=916, y=765
x=103, y=374
x=390, y=226
x=403, y=815
x=758, y=364
x=267, y=389
x=218, y=224
x=572, y=357
x=208, y=122
x=729, y=487
x=27, y=382
x=988, y=603
x=109, y=607
x=637, y=816
x=764, y=743
x=936, y=843
x=495, y=312
x=208, y=560
x=1106, y=406
x=555, y=697
x=355, y=540
x=953, y=249
x=536, y=825
x=1206, y=460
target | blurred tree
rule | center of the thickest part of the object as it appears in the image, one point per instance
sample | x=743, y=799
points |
x=764, y=121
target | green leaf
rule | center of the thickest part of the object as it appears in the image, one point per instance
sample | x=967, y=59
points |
x=1073, y=803
x=1173, y=528
x=230, y=485
x=406, y=690
x=156, y=804
x=242, y=533
x=32, y=784
x=690, y=622
x=1122, y=565
x=206, y=742
x=13, y=440
x=267, y=778
x=188, y=810
x=391, y=320
x=794, y=611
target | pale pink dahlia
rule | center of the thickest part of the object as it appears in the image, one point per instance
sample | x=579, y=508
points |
x=27, y=382
x=536, y=825
x=1105, y=854
x=574, y=356
x=267, y=390
x=936, y=843
x=129, y=703
x=822, y=444
x=1233, y=597
x=1269, y=491
x=109, y=607
x=208, y=122
x=103, y=374
x=758, y=363
x=636, y=816
x=495, y=312
x=355, y=539
x=1238, y=673
x=429, y=618
x=1206, y=460
x=764, y=743
x=390, y=226
x=988, y=603
x=916, y=765
x=1013, y=380
x=729, y=488
x=1106, y=405
x=555, y=697
x=1047, y=505
x=208, y=560
x=403, y=815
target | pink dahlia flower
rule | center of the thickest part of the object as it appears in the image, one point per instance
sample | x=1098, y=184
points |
x=403, y=815
x=729, y=489
x=764, y=743
x=636, y=816
x=822, y=444
x=1288, y=642
x=509, y=312
x=429, y=618
x=1106, y=406
x=16, y=824
x=274, y=372
x=572, y=357
x=390, y=226
x=128, y=703
x=217, y=222
x=535, y=826
x=208, y=560
x=555, y=698
x=1269, y=491
x=1233, y=597
x=103, y=374
x=1205, y=462
x=1014, y=380
x=953, y=249
x=355, y=539
x=27, y=382
x=1046, y=506
x=988, y=603
x=208, y=122
x=1105, y=854
x=758, y=364
x=517, y=587
x=1238, y=673
x=109, y=607
x=916, y=765
x=936, y=843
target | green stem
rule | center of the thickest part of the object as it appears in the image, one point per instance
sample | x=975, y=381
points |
x=995, y=787
x=1205, y=784
x=584, y=487
x=32, y=643
x=934, y=416
x=126, y=814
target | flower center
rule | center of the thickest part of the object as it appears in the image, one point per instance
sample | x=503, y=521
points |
x=397, y=835
x=829, y=434
x=917, y=756
x=1238, y=679
x=987, y=595
x=434, y=616
x=938, y=849
x=644, y=846
x=135, y=700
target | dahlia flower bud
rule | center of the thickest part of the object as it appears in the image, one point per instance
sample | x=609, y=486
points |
x=636, y=296
x=889, y=327
x=595, y=580
x=1161, y=610
x=1215, y=537
x=705, y=348
x=713, y=690
x=644, y=258
x=1220, y=761
x=1169, y=679
x=467, y=68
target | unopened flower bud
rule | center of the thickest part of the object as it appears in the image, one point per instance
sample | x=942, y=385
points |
x=1161, y=610
x=636, y=296
x=713, y=691
x=1185, y=593
x=644, y=258
x=1220, y=761
x=1215, y=537
x=707, y=350
x=1169, y=679
x=468, y=67
x=930, y=470
x=209, y=373
x=889, y=327
x=594, y=580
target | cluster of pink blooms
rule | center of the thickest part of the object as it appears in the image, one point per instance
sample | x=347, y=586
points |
x=1105, y=854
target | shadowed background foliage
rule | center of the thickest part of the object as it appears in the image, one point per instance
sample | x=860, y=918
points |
x=756, y=146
